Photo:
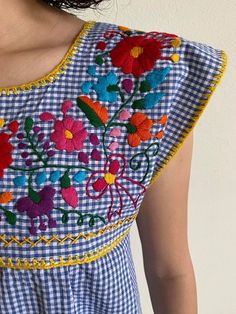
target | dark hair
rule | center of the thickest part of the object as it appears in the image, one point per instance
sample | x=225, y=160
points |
x=73, y=4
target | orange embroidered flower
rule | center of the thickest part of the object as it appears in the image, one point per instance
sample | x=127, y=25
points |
x=139, y=129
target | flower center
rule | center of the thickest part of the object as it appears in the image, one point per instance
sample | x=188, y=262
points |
x=68, y=134
x=136, y=51
x=109, y=178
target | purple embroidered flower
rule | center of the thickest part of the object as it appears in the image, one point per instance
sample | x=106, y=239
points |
x=36, y=205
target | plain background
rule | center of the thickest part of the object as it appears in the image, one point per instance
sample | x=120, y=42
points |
x=212, y=194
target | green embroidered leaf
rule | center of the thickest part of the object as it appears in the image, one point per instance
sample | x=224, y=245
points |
x=10, y=217
x=128, y=33
x=138, y=104
x=65, y=180
x=65, y=218
x=91, y=221
x=28, y=124
x=145, y=86
x=113, y=88
x=90, y=113
x=34, y=196
x=99, y=60
x=80, y=221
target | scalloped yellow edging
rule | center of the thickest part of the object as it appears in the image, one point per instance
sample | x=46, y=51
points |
x=69, y=261
x=59, y=69
x=203, y=103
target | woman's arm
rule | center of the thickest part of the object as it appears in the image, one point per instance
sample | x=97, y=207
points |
x=162, y=226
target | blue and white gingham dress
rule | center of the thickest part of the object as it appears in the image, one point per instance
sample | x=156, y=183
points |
x=79, y=148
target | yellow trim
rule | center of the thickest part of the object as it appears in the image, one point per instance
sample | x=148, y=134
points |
x=53, y=75
x=74, y=239
x=203, y=103
x=70, y=261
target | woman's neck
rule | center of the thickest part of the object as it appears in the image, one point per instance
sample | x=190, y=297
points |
x=20, y=19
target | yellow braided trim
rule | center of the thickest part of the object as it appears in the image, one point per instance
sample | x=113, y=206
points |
x=70, y=261
x=215, y=81
x=74, y=239
x=52, y=75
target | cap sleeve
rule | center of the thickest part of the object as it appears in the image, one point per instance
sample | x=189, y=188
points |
x=196, y=76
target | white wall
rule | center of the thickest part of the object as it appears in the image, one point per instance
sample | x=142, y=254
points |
x=212, y=203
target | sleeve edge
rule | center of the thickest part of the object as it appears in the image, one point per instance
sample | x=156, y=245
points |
x=203, y=104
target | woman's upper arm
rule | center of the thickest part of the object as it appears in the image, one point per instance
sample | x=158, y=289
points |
x=162, y=219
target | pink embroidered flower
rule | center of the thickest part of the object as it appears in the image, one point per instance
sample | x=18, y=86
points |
x=69, y=134
x=109, y=180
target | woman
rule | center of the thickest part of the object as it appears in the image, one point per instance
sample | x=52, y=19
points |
x=90, y=114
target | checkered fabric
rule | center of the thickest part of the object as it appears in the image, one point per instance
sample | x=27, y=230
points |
x=105, y=283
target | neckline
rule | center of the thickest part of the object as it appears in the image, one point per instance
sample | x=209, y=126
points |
x=58, y=70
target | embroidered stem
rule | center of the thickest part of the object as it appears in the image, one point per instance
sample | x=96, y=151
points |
x=50, y=166
x=80, y=221
x=145, y=153
x=34, y=148
x=107, y=126
x=118, y=123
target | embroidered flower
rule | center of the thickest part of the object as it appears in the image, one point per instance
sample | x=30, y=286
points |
x=69, y=134
x=106, y=87
x=36, y=205
x=139, y=129
x=6, y=149
x=109, y=180
x=138, y=54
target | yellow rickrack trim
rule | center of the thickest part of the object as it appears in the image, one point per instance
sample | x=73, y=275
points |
x=203, y=103
x=52, y=75
x=69, y=236
x=70, y=261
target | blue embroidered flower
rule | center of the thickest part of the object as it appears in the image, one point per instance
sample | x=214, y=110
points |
x=151, y=99
x=156, y=77
x=106, y=87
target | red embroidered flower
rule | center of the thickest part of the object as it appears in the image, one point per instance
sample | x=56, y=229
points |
x=139, y=129
x=110, y=180
x=138, y=54
x=68, y=134
x=5, y=153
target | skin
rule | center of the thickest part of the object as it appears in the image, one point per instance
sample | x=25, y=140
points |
x=162, y=226
x=34, y=39
x=31, y=30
